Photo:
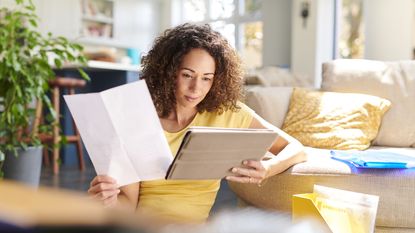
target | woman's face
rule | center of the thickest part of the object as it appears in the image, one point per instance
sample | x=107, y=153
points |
x=194, y=78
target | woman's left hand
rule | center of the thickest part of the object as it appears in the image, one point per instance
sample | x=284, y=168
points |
x=252, y=172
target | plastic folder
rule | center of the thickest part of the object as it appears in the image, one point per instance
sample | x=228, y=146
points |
x=374, y=159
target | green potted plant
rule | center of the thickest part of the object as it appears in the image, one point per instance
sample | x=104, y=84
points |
x=27, y=59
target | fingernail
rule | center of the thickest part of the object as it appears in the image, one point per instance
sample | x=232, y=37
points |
x=245, y=162
x=234, y=169
x=227, y=178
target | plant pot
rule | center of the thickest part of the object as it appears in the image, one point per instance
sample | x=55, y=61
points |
x=25, y=167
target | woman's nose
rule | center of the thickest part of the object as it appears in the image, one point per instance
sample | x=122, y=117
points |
x=194, y=84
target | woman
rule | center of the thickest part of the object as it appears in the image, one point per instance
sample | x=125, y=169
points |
x=195, y=79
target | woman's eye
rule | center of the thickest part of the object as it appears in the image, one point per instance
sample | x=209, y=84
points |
x=207, y=79
x=187, y=76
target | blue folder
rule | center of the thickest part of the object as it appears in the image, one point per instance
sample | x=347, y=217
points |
x=374, y=159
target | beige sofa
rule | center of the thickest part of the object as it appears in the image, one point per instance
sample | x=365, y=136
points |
x=394, y=81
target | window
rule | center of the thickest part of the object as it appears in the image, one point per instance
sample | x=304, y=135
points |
x=239, y=21
x=351, y=40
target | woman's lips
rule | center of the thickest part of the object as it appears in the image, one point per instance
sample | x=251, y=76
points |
x=191, y=98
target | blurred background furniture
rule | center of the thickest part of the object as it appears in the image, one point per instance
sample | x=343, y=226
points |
x=276, y=76
x=60, y=86
x=394, y=81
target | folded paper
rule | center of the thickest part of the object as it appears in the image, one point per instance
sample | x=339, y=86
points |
x=122, y=133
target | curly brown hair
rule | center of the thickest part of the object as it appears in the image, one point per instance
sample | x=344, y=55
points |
x=162, y=62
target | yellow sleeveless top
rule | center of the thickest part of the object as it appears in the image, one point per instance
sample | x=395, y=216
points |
x=189, y=200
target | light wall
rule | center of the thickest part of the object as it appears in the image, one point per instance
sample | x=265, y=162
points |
x=304, y=40
x=389, y=29
x=312, y=42
x=136, y=22
x=277, y=33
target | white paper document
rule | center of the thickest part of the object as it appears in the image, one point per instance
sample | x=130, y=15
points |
x=122, y=133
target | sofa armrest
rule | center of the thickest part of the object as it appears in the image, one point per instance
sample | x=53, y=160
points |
x=395, y=187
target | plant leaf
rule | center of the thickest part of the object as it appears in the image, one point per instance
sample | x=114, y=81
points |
x=25, y=71
x=58, y=63
x=84, y=74
x=33, y=22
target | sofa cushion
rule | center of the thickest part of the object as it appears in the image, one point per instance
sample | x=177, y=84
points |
x=271, y=103
x=395, y=187
x=394, y=81
x=333, y=120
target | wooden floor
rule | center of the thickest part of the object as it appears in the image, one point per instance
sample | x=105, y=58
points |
x=70, y=177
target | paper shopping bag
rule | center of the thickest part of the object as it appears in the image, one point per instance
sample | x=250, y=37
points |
x=338, y=210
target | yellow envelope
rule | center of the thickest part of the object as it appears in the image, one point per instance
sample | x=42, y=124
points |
x=303, y=206
x=337, y=215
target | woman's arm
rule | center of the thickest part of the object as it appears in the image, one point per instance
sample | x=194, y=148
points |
x=129, y=195
x=284, y=152
x=105, y=189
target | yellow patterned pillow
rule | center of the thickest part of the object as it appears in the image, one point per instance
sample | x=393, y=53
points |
x=332, y=120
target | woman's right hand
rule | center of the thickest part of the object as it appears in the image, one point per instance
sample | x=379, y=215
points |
x=105, y=189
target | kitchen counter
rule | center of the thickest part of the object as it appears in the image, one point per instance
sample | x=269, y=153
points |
x=103, y=74
x=102, y=65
